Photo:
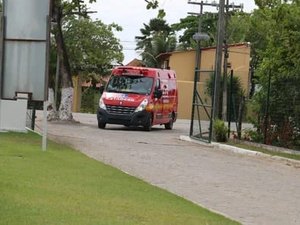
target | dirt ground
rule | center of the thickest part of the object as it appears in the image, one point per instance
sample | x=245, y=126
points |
x=250, y=189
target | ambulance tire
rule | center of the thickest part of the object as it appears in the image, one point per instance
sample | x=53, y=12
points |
x=101, y=125
x=148, y=126
x=169, y=126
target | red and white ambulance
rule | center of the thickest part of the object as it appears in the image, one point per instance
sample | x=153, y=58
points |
x=139, y=96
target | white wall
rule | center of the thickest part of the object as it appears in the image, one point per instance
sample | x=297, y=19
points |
x=13, y=115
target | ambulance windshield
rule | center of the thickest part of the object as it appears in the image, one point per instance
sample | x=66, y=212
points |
x=130, y=84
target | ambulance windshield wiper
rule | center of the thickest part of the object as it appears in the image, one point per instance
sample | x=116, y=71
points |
x=134, y=92
x=114, y=91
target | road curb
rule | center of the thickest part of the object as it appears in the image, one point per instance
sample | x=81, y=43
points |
x=242, y=151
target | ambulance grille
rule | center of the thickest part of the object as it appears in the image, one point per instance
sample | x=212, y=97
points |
x=120, y=110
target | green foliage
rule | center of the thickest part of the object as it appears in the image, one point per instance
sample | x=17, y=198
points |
x=234, y=96
x=52, y=64
x=63, y=186
x=220, y=130
x=275, y=29
x=282, y=123
x=90, y=100
x=267, y=3
x=92, y=46
x=238, y=27
x=189, y=26
x=69, y=6
x=157, y=37
x=152, y=4
x=253, y=135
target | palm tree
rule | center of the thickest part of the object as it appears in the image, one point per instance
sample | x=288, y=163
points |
x=157, y=38
x=159, y=44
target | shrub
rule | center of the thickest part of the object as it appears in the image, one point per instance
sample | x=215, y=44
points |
x=89, y=100
x=253, y=135
x=220, y=131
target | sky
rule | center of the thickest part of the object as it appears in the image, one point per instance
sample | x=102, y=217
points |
x=132, y=14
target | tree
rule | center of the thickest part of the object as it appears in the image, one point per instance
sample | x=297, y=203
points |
x=262, y=4
x=152, y=4
x=238, y=27
x=189, y=26
x=83, y=47
x=157, y=37
x=159, y=44
x=92, y=46
x=278, y=53
x=61, y=9
x=234, y=86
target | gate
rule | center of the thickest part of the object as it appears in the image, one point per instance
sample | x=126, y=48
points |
x=201, y=119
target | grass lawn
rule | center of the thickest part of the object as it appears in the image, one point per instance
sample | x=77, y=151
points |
x=62, y=186
x=266, y=151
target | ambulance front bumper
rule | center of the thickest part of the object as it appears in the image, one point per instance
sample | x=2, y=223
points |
x=123, y=117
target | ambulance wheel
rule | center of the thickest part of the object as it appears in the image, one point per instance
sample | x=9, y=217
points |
x=101, y=125
x=148, y=126
x=169, y=126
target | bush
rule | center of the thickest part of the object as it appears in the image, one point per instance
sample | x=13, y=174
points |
x=253, y=135
x=89, y=100
x=220, y=131
x=234, y=96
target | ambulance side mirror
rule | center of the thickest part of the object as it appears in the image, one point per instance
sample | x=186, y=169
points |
x=158, y=93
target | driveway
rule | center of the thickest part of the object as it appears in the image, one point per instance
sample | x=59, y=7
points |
x=250, y=189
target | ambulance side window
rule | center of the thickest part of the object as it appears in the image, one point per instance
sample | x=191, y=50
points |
x=157, y=91
x=157, y=85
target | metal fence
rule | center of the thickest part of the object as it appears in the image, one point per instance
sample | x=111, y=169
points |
x=270, y=116
x=274, y=111
x=201, y=121
x=31, y=113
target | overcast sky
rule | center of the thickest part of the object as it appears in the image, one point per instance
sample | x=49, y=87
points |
x=131, y=14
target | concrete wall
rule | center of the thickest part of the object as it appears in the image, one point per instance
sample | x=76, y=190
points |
x=13, y=115
x=184, y=65
x=77, y=94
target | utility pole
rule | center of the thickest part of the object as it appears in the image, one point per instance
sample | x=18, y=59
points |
x=226, y=56
x=1, y=52
x=225, y=64
x=218, y=61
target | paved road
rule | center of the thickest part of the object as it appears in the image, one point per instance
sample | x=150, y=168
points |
x=249, y=189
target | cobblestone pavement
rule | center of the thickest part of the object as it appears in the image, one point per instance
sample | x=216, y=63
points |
x=250, y=189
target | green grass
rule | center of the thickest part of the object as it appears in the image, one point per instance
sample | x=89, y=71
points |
x=62, y=186
x=266, y=151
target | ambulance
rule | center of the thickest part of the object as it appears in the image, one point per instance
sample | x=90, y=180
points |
x=140, y=97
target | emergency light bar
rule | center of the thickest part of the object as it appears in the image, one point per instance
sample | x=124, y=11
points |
x=134, y=72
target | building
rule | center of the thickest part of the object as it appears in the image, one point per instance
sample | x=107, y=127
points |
x=183, y=62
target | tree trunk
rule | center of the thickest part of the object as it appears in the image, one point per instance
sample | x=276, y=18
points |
x=65, y=109
x=52, y=113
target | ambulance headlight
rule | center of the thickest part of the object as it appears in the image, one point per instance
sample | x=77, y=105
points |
x=101, y=104
x=142, y=106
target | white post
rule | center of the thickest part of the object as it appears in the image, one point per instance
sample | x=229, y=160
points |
x=0, y=113
x=45, y=128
